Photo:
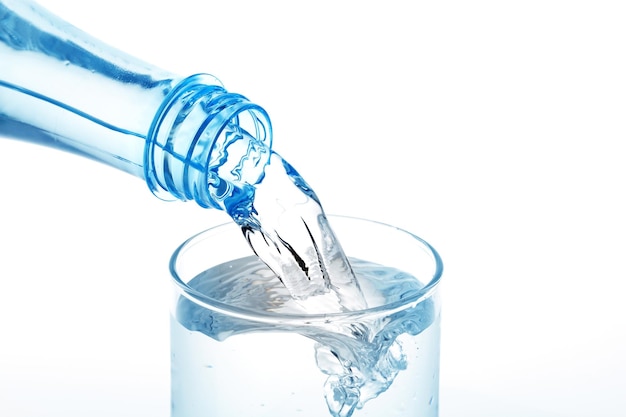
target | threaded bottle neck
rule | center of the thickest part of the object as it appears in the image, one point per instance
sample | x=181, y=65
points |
x=206, y=144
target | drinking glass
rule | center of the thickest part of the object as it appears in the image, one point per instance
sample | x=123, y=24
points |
x=236, y=352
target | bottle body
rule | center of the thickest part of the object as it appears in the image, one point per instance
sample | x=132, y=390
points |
x=188, y=138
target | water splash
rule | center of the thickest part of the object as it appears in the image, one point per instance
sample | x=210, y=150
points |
x=284, y=223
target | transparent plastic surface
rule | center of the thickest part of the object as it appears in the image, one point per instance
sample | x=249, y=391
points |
x=241, y=345
x=62, y=88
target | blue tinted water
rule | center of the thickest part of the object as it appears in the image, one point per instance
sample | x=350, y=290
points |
x=356, y=360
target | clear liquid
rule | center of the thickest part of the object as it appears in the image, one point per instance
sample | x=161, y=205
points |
x=284, y=223
x=336, y=367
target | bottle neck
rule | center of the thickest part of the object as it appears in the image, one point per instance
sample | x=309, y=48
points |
x=206, y=144
x=188, y=138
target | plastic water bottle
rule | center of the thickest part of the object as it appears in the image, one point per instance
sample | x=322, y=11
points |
x=187, y=137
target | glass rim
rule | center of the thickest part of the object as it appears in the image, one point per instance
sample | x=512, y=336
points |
x=212, y=304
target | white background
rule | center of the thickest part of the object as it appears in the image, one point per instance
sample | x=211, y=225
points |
x=494, y=130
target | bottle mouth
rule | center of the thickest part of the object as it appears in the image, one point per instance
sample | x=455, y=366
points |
x=206, y=144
